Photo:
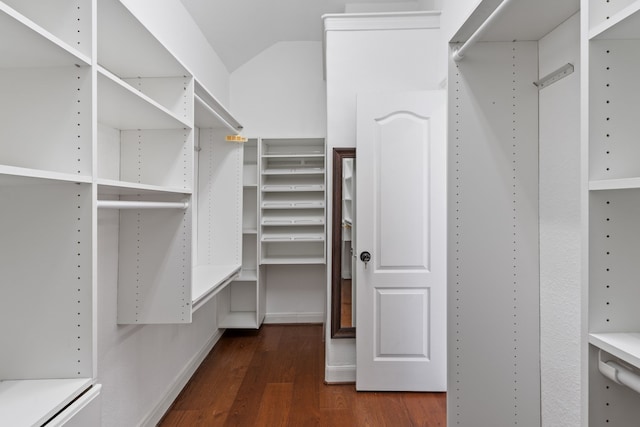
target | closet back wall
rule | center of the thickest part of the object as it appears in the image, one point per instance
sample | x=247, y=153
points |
x=281, y=94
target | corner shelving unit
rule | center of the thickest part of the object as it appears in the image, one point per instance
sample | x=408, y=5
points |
x=613, y=45
x=243, y=303
x=292, y=201
x=47, y=295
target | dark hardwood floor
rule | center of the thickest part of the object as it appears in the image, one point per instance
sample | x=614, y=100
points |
x=274, y=377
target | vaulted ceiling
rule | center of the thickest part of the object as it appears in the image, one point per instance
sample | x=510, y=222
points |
x=238, y=30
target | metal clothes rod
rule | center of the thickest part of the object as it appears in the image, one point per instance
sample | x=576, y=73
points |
x=458, y=54
x=618, y=373
x=132, y=204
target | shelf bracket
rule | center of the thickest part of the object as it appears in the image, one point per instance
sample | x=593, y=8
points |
x=557, y=75
x=618, y=373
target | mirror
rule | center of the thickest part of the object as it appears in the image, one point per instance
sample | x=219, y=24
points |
x=342, y=280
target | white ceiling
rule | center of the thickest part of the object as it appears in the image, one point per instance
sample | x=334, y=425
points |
x=238, y=30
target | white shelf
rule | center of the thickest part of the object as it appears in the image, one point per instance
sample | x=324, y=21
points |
x=238, y=319
x=206, y=117
x=209, y=279
x=293, y=260
x=123, y=107
x=624, y=345
x=289, y=237
x=282, y=188
x=249, y=231
x=267, y=221
x=33, y=402
x=113, y=187
x=615, y=184
x=40, y=174
x=294, y=171
x=292, y=204
x=621, y=26
x=36, y=47
x=318, y=155
x=128, y=49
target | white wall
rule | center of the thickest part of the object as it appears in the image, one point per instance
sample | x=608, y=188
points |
x=361, y=61
x=281, y=93
x=560, y=292
x=170, y=22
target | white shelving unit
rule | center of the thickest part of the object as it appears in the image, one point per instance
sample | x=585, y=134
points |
x=243, y=303
x=145, y=147
x=47, y=296
x=97, y=126
x=292, y=201
x=494, y=253
x=612, y=43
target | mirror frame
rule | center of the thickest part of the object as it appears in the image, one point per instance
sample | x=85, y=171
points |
x=336, y=242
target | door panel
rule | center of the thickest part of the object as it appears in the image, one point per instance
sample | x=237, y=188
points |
x=401, y=221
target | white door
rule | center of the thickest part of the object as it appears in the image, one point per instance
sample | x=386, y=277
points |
x=401, y=223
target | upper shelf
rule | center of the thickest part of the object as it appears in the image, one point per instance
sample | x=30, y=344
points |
x=209, y=112
x=128, y=49
x=521, y=19
x=36, y=47
x=622, y=25
x=122, y=107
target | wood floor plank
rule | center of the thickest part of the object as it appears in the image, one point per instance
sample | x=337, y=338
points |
x=275, y=405
x=275, y=377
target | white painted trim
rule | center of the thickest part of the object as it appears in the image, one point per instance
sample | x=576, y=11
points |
x=340, y=374
x=279, y=318
x=156, y=414
x=419, y=20
x=381, y=21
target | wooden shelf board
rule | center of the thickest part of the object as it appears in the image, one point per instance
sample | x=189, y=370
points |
x=18, y=172
x=210, y=279
x=113, y=187
x=238, y=319
x=123, y=107
x=36, y=48
x=207, y=118
x=624, y=345
x=614, y=184
x=621, y=26
x=33, y=402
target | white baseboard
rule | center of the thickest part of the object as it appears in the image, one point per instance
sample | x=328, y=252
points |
x=294, y=318
x=340, y=374
x=156, y=414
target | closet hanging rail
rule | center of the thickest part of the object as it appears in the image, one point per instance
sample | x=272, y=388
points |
x=132, y=204
x=618, y=373
x=458, y=54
